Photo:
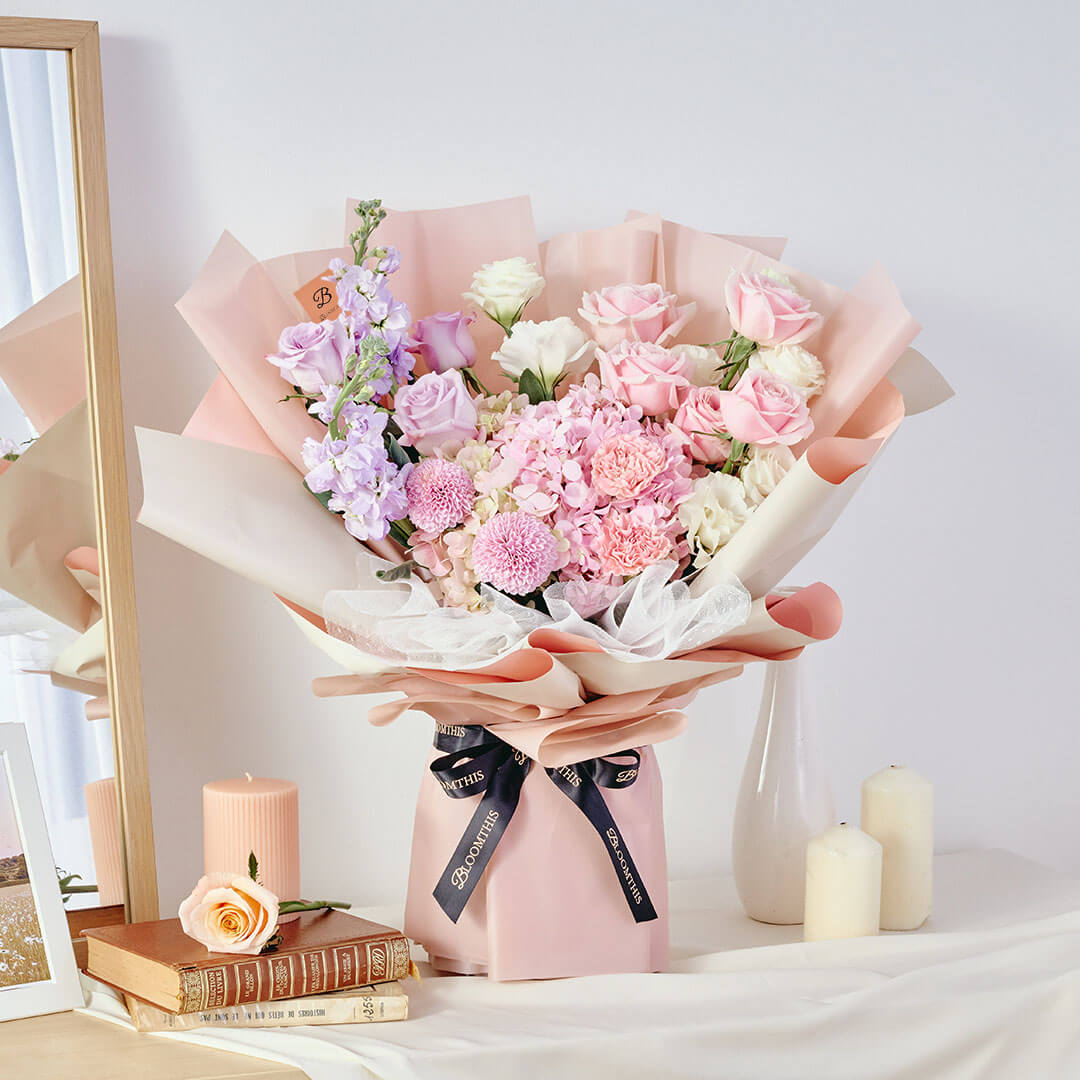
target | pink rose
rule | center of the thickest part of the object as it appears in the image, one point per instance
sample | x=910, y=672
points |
x=444, y=341
x=634, y=313
x=230, y=913
x=436, y=413
x=769, y=311
x=312, y=355
x=764, y=410
x=641, y=373
x=626, y=545
x=623, y=464
x=700, y=412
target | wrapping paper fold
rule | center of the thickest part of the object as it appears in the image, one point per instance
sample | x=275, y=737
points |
x=47, y=511
x=42, y=356
x=562, y=699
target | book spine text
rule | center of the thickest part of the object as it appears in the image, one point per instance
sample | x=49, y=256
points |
x=273, y=977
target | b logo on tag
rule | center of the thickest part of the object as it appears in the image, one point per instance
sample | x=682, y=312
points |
x=318, y=298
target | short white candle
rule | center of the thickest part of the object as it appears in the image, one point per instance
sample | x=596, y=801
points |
x=898, y=811
x=843, y=885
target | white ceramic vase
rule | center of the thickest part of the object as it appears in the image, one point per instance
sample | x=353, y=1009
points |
x=784, y=801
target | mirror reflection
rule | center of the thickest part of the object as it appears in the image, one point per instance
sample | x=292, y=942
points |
x=52, y=641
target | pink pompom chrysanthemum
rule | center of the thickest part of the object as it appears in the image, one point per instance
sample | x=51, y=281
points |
x=440, y=493
x=515, y=552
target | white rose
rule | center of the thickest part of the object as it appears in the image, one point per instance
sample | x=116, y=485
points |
x=793, y=364
x=714, y=513
x=706, y=363
x=548, y=349
x=768, y=465
x=502, y=289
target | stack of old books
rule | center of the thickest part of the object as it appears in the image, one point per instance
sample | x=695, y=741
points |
x=329, y=968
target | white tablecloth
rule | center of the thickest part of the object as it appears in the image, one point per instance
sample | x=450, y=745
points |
x=989, y=988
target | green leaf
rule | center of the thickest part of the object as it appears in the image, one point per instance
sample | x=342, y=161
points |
x=399, y=454
x=322, y=496
x=530, y=384
x=253, y=867
x=397, y=573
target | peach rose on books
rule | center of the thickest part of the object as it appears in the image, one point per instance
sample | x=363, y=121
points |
x=230, y=913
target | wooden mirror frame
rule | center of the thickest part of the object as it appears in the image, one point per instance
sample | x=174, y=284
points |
x=80, y=41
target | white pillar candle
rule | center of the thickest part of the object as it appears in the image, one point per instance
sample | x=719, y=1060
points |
x=898, y=811
x=843, y=885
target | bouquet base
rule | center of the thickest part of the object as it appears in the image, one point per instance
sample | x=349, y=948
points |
x=549, y=904
x=446, y=966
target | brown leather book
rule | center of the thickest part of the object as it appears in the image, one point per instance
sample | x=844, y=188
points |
x=322, y=951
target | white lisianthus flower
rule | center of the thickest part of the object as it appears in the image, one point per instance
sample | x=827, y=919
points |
x=795, y=365
x=706, y=363
x=548, y=349
x=713, y=514
x=778, y=276
x=502, y=289
x=768, y=465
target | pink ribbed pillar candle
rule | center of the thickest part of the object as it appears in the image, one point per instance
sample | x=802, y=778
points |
x=103, y=814
x=254, y=814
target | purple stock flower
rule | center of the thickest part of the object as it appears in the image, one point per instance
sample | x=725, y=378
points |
x=365, y=486
x=389, y=263
x=402, y=362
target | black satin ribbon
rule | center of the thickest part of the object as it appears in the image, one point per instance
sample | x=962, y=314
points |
x=476, y=762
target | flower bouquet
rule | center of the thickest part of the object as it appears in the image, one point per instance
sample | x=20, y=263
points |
x=545, y=494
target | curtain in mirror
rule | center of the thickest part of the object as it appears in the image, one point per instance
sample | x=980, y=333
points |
x=39, y=253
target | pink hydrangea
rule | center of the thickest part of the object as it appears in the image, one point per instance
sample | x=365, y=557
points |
x=575, y=458
x=440, y=494
x=515, y=552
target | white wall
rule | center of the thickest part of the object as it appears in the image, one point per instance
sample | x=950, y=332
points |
x=939, y=140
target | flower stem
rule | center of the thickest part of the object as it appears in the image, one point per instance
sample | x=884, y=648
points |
x=736, y=360
x=287, y=907
x=473, y=380
x=734, y=457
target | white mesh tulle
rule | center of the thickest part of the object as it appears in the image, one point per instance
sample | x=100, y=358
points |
x=650, y=618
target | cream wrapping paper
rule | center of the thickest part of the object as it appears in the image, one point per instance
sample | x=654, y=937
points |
x=47, y=510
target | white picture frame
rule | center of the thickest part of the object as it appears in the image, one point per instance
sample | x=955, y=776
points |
x=62, y=991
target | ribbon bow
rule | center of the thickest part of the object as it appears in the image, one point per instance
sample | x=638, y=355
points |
x=476, y=762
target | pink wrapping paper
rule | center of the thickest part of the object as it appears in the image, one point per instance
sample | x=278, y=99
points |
x=43, y=356
x=549, y=904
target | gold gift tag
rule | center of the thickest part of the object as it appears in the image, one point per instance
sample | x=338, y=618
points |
x=319, y=299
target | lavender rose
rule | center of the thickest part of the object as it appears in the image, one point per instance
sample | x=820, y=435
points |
x=312, y=355
x=436, y=413
x=444, y=341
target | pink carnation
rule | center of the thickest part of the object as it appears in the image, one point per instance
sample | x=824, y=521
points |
x=625, y=463
x=440, y=494
x=628, y=543
x=515, y=552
